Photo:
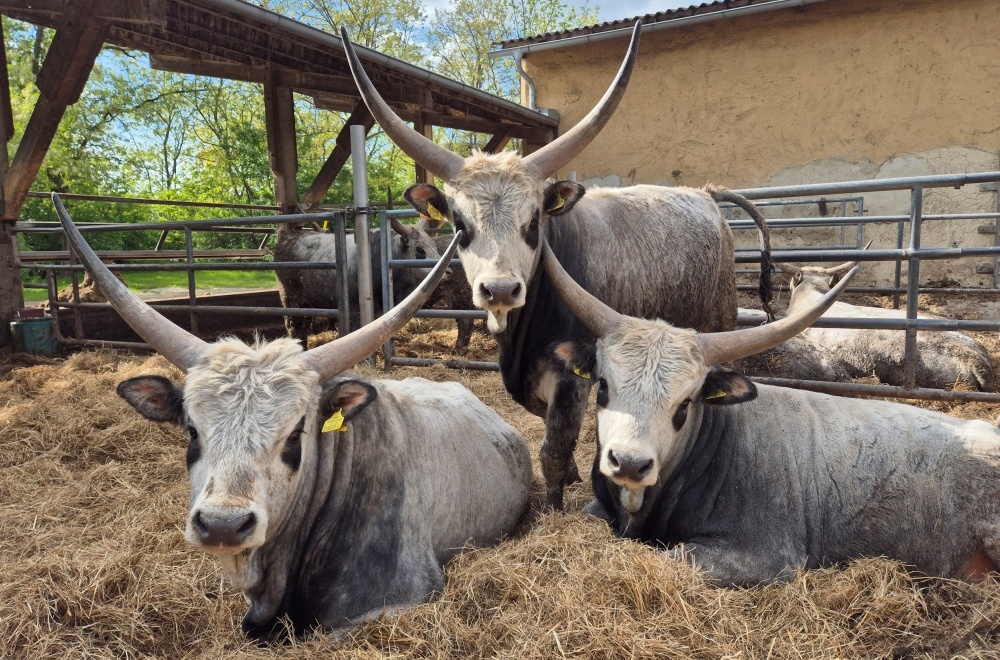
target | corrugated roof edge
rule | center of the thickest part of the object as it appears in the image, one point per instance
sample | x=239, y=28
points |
x=647, y=19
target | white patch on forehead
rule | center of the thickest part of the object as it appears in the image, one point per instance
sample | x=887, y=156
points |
x=648, y=360
x=244, y=395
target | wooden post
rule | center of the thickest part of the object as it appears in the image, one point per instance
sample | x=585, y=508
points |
x=338, y=157
x=279, y=117
x=64, y=73
x=498, y=141
x=427, y=130
x=67, y=66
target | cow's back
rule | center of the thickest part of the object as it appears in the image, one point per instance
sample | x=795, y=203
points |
x=860, y=477
x=652, y=252
x=469, y=472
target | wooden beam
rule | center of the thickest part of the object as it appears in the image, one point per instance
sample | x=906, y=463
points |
x=124, y=11
x=338, y=157
x=208, y=68
x=498, y=141
x=11, y=293
x=478, y=125
x=279, y=117
x=6, y=110
x=64, y=73
x=425, y=128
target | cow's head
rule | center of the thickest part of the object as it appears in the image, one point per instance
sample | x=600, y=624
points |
x=252, y=413
x=413, y=242
x=499, y=200
x=814, y=279
x=654, y=379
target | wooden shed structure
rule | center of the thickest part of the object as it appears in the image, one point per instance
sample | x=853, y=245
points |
x=236, y=40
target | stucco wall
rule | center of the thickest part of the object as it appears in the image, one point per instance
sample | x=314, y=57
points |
x=845, y=89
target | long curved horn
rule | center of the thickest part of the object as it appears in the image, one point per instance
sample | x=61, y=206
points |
x=843, y=268
x=594, y=314
x=788, y=269
x=719, y=347
x=345, y=352
x=547, y=160
x=399, y=227
x=179, y=346
x=428, y=153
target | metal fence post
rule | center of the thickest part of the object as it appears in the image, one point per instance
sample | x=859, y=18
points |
x=361, y=224
x=343, y=285
x=913, y=288
x=192, y=290
x=387, y=293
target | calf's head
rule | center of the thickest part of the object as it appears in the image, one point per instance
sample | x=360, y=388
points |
x=252, y=413
x=499, y=200
x=653, y=379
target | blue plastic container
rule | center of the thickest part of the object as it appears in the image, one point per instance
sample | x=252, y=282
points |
x=34, y=335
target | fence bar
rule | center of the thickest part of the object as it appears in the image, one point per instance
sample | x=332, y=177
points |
x=217, y=309
x=343, y=286
x=387, y=293
x=912, y=289
x=871, y=185
x=154, y=202
x=469, y=365
x=884, y=391
x=192, y=288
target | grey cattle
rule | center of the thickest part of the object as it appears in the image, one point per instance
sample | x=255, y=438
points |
x=752, y=483
x=454, y=293
x=649, y=251
x=944, y=358
x=327, y=500
x=317, y=288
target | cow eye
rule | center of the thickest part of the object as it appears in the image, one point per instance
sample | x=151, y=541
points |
x=533, y=225
x=291, y=454
x=460, y=225
x=602, y=392
x=194, y=447
x=421, y=253
x=680, y=416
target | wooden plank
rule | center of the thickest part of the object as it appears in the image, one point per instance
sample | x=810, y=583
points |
x=498, y=141
x=338, y=156
x=64, y=73
x=279, y=116
x=123, y=11
x=479, y=125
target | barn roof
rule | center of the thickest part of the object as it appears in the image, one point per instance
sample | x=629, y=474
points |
x=718, y=8
x=237, y=40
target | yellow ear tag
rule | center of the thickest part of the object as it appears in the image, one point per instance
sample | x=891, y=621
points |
x=560, y=202
x=581, y=374
x=335, y=423
x=721, y=394
x=434, y=213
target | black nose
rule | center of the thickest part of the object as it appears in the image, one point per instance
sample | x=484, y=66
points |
x=629, y=468
x=501, y=293
x=220, y=530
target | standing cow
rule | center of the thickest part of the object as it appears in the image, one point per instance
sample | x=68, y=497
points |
x=649, y=251
x=327, y=500
x=944, y=359
x=753, y=483
x=317, y=288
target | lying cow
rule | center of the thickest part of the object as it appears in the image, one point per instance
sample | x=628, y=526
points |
x=752, y=483
x=317, y=288
x=326, y=500
x=944, y=359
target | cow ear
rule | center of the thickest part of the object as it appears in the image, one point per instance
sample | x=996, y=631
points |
x=723, y=388
x=428, y=201
x=154, y=397
x=577, y=357
x=561, y=196
x=350, y=397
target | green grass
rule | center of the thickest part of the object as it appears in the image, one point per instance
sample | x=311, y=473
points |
x=206, y=281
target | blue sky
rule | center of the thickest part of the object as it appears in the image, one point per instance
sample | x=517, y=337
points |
x=611, y=10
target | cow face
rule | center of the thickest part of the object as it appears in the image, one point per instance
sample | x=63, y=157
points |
x=502, y=208
x=250, y=414
x=652, y=382
x=415, y=243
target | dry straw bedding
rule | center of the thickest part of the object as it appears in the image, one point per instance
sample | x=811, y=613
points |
x=94, y=565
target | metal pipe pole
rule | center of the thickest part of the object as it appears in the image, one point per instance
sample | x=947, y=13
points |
x=359, y=164
x=384, y=225
x=912, y=289
x=343, y=285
